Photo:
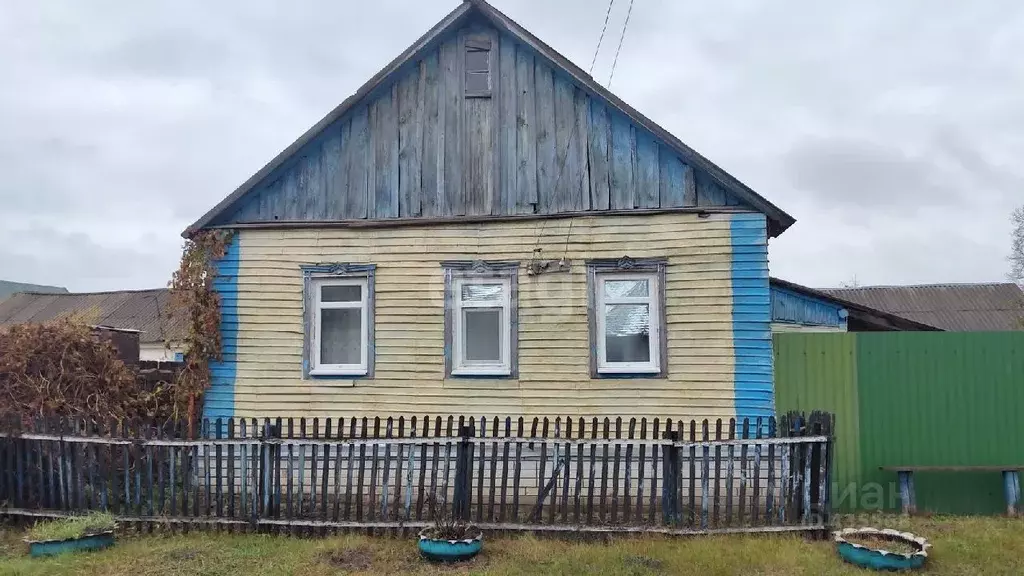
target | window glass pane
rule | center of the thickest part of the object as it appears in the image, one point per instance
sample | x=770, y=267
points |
x=341, y=335
x=627, y=333
x=341, y=293
x=477, y=60
x=476, y=82
x=482, y=334
x=626, y=288
x=481, y=292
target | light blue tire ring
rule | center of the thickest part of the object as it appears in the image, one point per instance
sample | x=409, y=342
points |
x=449, y=550
x=880, y=558
x=37, y=549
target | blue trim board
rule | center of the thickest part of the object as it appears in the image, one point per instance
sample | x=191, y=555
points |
x=751, y=317
x=791, y=307
x=219, y=401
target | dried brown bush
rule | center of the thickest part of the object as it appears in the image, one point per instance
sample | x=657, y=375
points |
x=60, y=369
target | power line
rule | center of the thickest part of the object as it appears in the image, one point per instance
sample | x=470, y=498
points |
x=575, y=127
x=604, y=27
x=625, y=25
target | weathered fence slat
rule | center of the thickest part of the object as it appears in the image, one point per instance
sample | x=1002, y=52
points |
x=231, y=475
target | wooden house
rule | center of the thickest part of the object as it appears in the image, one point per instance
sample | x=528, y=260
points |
x=484, y=229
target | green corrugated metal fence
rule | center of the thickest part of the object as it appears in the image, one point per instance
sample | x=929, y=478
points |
x=911, y=398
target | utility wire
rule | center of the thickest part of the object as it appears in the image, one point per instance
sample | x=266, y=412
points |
x=575, y=126
x=625, y=25
x=604, y=28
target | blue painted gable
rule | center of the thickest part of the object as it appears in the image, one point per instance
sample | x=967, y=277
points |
x=416, y=146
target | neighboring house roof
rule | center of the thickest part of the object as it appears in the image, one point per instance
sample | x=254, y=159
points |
x=7, y=288
x=702, y=172
x=953, y=307
x=147, y=311
x=860, y=317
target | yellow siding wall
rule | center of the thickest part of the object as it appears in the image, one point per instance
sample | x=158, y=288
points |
x=553, y=343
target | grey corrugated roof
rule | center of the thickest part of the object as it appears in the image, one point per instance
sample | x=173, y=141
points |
x=147, y=311
x=955, y=307
x=8, y=288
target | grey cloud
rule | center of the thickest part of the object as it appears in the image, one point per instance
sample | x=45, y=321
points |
x=126, y=116
x=857, y=174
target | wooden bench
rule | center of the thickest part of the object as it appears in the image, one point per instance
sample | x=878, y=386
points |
x=1011, y=483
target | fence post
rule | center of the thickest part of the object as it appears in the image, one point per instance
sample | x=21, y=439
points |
x=671, y=471
x=463, y=474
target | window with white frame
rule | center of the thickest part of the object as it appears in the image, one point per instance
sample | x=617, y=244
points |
x=627, y=317
x=480, y=319
x=340, y=320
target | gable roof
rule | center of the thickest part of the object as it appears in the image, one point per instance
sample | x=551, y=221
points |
x=861, y=317
x=954, y=307
x=147, y=311
x=8, y=288
x=778, y=220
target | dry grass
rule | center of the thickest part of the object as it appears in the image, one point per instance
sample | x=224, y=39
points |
x=966, y=545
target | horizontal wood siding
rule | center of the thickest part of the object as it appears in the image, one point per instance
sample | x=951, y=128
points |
x=418, y=147
x=553, y=343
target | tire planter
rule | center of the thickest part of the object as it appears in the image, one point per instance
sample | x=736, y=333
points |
x=41, y=548
x=439, y=550
x=880, y=558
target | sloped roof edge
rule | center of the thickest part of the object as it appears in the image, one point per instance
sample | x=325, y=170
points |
x=897, y=321
x=778, y=219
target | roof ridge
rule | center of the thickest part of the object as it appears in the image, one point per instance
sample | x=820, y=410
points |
x=99, y=293
x=927, y=285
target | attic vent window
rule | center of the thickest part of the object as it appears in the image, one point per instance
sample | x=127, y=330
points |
x=478, y=66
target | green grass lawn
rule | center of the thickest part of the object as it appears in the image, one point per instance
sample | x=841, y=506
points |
x=964, y=545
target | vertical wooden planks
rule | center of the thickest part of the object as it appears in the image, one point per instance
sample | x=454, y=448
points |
x=626, y=503
x=347, y=513
x=652, y=508
x=604, y=471
x=434, y=459
x=592, y=479
x=623, y=156
x=578, y=488
x=755, y=506
x=518, y=470
x=450, y=110
x=432, y=147
x=219, y=455
x=744, y=434
x=363, y=433
x=770, y=488
x=410, y=140
x=670, y=179
x=693, y=468
x=646, y=177
x=310, y=511
x=504, y=468
x=372, y=488
x=332, y=170
x=615, y=471
x=567, y=168
x=641, y=463
x=386, y=470
x=566, y=472
x=526, y=134
x=423, y=468
x=729, y=473
x=311, y=193
x=718, y=472
x=507, y=126
x=495, y=433
x=481, y=453
x=547, y=152
x=581, y=185
x=289, y=497
x=705, y=473
x=326, y=471
x=542, y=464
x=598, y=141
x=384, y=126
x=359, y=164
x=335, y=515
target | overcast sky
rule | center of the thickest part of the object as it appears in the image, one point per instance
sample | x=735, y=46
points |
x=892, y=130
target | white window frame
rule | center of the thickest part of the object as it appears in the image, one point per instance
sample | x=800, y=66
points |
x=654, y=339
x=460, y=366
x=319, y=368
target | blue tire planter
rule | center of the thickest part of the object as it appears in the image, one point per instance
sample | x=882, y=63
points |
x=879, y=558
x=38, y=549
x=439, y=550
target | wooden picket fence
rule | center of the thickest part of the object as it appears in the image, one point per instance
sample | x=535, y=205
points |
x=318, y=475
